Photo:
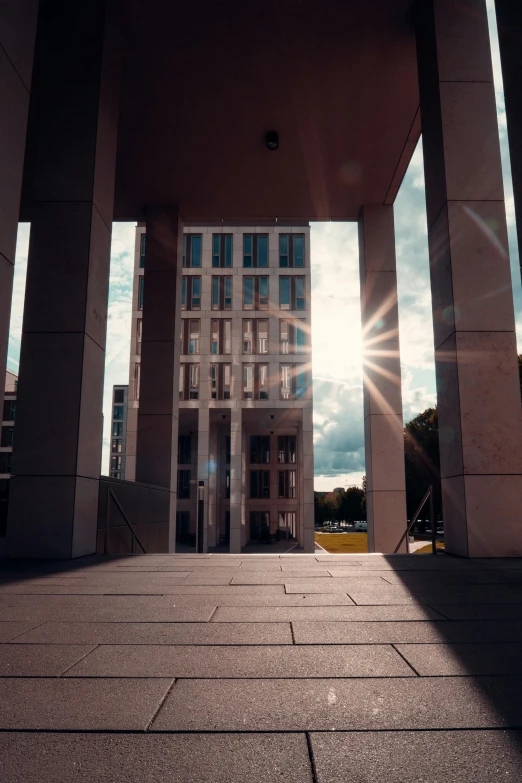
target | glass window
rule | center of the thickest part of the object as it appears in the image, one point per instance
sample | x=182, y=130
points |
x=214, y=336
x=194, y=382
x=183, y=293
x=143, y=242
x=247, y=335
x=182, y=381
x=213, y=381
x=196, y=293
x=285, y=381
x=137, y=378
x=248, y=258
x=259, y=483
x=116, y=446
x=283, y=250
x=195, y=250
x=215, y=293
x=228, y=293
x=299, y=250
x=286, y=448
x=284, y=336
x=227, y=449
x=216, y=250
x=300, y=338
x=263, y=381
x=284, y=293
x=184, y=252
x=227, y=483
x=184, y=450
x=260, y=449
x=286, y=482
x=301, y=382
x=262, y=336
x=248, y=293
x=141, y=285
x=248, y=381
x=117, y=413
x=299, y=293
x=227, y=335
x=262, y=250
x=193, y=336
x=227, y=379
x=117, y=429
x=228, y=250
x=259, y=525
x=183, y=484
x=139, y=332
x=263, y=293
x=119, y=395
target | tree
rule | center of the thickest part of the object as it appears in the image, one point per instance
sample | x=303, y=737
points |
x=422, y=461
x=350, y=504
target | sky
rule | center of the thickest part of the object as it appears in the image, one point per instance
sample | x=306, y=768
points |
x=337, y=366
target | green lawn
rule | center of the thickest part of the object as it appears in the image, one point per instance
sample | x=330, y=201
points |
x=339, y=543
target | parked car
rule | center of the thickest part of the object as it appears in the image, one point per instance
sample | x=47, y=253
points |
x=361, y=526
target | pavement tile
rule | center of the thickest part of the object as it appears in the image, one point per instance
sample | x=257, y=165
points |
x=10, y=630
x=252, y=599
x=242, y=662
x=415, y=757
x=436, y=632
x=159, y=633
x=479, y=611
x=39, y=660
x=59, y=601
x=265, y=614
x=446, y=660
x=76, y=704
x=150, y=758
x=199, y=613
x=342, y=705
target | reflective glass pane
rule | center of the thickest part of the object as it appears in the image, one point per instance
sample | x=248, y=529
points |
x=248, y=292
x=298, y=250
x=195, y=259
x=284, y=293
x=262, y=250
x=228, y=249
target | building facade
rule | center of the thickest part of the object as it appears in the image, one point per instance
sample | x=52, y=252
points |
x=6, y=444
x=245, y=373
x=120, y=396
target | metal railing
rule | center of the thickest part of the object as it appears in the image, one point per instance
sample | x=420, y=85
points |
x=428, y=494
x=111, y=494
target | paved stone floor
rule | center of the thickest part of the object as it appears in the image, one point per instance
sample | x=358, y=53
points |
x=295, y=668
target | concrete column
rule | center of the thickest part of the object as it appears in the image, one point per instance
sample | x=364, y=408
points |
x=480, y=416
x=68, y=194
x=383, y=426
x=157, y=439
x=308, y=542
x=203, y=465
x=236, y=449
x=17, y=34
x=509, y=22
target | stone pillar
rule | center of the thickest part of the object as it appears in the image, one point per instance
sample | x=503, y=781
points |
x=17, y=33
x=509, y=23
x=307, y=427
x=203, y=465
x=68, y=194
x=480, y=416
x=236, y=449
x=157, y=439
x=383, y=426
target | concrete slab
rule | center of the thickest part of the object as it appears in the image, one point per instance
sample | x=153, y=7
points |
x=242, y=662
x=39, y=660
x=410, y=757
x=10, y=630
x=342, y=705
x=261, y=601
x=447, y=660
x=74, y=704
x=159, y=633
x=149, y=758
x=321, y=614
x=406, y=632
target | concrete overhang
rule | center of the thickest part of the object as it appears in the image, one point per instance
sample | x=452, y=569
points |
x=203, y=82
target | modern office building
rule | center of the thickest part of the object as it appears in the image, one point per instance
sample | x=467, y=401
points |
x=6, y=444
x=244, y=385
x=118, y=431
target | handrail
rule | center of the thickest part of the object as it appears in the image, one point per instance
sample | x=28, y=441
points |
x=427, y=494
x=122, y=512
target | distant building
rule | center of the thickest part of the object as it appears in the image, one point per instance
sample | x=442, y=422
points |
x=120, y=397
x=6, y=444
